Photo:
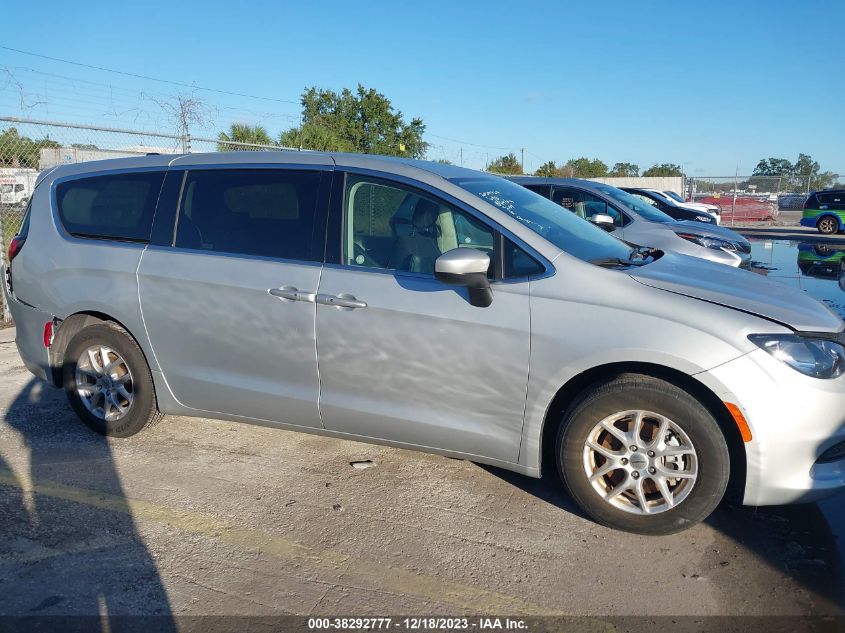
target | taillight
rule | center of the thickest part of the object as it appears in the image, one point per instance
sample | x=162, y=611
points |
x=48, y=333
x=15, y=246
x=807, y=204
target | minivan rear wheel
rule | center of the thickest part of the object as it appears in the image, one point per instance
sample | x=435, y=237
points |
x=642, y=455
x=107, y=381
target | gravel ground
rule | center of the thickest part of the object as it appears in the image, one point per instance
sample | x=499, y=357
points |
x=200, y=517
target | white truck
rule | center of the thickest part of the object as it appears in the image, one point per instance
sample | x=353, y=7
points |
x=16, y=185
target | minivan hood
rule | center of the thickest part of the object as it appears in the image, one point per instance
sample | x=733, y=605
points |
x=738, y=289
x=711, y=230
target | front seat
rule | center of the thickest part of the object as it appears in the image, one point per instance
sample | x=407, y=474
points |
x=417, y=251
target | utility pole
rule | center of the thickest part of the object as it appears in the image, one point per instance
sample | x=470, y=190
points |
x=522, y=160
x=733, y=204
x=462, y=155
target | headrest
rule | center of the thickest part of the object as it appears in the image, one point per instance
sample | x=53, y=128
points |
x=425, y=214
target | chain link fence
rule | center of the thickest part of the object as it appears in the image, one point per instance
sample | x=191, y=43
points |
x=753, y=198
x=740, y=198
x=28, y=147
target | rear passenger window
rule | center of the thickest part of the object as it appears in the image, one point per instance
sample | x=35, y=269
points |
x=117, y=207
x=264, y=212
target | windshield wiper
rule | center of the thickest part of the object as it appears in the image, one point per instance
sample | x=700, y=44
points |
x=609, y=262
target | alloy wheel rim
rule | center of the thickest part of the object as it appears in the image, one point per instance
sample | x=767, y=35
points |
x=826, y=225
x=640, y=462
x=104, y=383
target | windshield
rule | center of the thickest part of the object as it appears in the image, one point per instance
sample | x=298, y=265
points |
x=674, y=196
x=560, y=227
x=644, y=209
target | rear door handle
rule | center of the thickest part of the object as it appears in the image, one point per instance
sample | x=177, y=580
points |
x=291, y=293
x=341, y=301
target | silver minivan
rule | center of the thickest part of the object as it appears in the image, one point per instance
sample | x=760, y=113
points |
x=431, y=307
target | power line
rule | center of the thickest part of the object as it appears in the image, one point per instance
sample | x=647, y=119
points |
x=454, y=140
x=203, y=88
x=145, y=77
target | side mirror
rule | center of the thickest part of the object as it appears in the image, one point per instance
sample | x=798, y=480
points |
x=604, y=221
x=466, y=267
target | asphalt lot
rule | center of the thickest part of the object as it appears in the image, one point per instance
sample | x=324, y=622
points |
x=202, y=517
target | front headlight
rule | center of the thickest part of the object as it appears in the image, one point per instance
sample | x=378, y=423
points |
x=708, y=242
x=818, y=358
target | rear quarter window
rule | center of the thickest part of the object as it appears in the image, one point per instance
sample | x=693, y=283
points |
x=113, y=207
x=832, y=200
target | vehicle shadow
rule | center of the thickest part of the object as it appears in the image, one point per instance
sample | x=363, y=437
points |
x=799, y=541
x=68, y=543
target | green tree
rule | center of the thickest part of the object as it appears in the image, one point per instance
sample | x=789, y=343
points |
x=585, y=168
x=773, y=167
x=361, y=121
x=444, y=161
x=505, y=165
x=802, y=175
x=243, y=133
x=547, y=170
x=630, y=170
x=664, y=169
x=22, y=151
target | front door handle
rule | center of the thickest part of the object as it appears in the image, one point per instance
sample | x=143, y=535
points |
x=341, y=301
x=291, y=293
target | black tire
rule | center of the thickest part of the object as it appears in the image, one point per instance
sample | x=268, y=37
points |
x=143, y=411
x=640, y=392
x=827, y=225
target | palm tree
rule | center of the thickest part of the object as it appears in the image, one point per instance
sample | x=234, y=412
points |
x=243, y=133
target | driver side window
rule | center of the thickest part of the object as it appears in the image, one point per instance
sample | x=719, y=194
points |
x=584, y=204
x=646, y=199
x=391, y=227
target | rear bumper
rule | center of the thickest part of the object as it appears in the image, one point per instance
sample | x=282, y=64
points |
x=29, y=336
x=810, y=222
x=793, y=420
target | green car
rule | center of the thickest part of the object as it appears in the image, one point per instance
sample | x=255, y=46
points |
x=825, y=210
x=821, y=260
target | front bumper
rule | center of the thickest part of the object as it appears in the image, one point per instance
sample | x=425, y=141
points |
x=793, y=420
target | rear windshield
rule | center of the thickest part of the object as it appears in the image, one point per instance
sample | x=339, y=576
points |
x=117, y=206
x=564, y=229
x=636, y=205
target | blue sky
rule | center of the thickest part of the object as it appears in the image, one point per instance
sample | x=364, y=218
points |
x=710, y=86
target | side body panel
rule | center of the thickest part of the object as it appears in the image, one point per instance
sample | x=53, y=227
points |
x=586, y=317
x=420, y=365
x=224, y=343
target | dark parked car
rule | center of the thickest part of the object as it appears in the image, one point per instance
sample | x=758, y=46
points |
x=669, y=207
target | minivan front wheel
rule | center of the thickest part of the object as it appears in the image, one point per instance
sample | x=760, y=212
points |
x=107, y=381
x=640, y=454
